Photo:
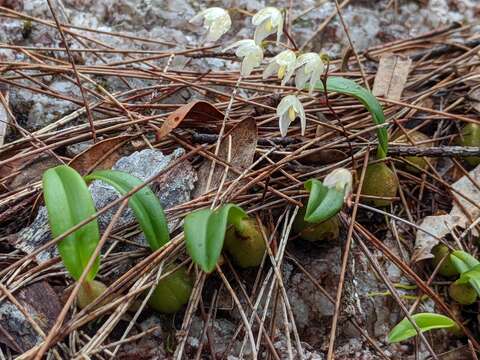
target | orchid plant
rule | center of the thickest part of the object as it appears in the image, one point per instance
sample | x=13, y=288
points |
x=327, y=198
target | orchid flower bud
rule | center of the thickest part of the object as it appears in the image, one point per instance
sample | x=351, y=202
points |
x=309, y=67
x=341, y=179
x=288, y=109
x=216, y=20
x=267, y=21
x=283, y=64
x=251, y=53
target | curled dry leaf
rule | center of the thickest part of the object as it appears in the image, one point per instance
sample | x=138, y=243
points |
x=442, y=225
x=27, y=170
x=101, y=155
x=196, y=110
x=244, y=139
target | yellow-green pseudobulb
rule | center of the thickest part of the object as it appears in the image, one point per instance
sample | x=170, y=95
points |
x=416, y=137
x=462, y=293
x=324, y=231
x=172, y=292
x=470, y=137
x=379, y=181
x=245, y=244
x=446, y=269
x=89, y=291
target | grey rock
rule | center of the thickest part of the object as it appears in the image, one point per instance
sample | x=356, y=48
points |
x=172, y=188
x=75, y=149
x=222, y=331
x=34, y=111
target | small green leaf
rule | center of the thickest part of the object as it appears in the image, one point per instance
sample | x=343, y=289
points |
x=463, y=261
x=68, y=203
x=205, y=233
x=351, y=88
x=323, y=202
x=425, y=322
x=144, y=203
x=472, y=277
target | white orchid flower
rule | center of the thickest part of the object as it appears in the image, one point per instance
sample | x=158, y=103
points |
x=288, y=109
x=309, y=67
x=283, y=64
x=251, y=53
x=267, y=21
x=216, y=20
x=341, y=179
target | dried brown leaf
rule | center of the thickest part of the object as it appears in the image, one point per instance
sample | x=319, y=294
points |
x=197, y=110
x=244, y=139
x=28, y=170
x=101, y=155
x=391, y=76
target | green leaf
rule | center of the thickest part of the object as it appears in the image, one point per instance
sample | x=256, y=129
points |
x=323, y=202
x=205, y=233
x=463, y=261
x=68, y=203
x=425, y=321
x=144, y=203
x=351, y=88
x=472, y=277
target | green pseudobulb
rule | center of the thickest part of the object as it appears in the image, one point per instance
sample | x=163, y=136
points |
x=172, y=292
x=446, y=269
x=462, y=293
x=89, y=291
x=379, y=181
x=416, y=137
x=470, y=137
x=245, y=244
x=324, y=231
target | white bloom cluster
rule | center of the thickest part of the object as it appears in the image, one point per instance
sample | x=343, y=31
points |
x=307, y=67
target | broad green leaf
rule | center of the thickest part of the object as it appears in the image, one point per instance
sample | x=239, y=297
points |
x=425, y=322
x=205, y=233
x=351, y=88
x=68, y=203
x=144, y=203
x=463, y=261
x=472, y=277
x=323, y=202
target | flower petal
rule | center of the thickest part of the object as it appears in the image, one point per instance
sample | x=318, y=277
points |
x=271, y=69
x=341, y=179
x=288, y=74
x=300, y=78
x=262, y=32
x=285, y=103
x=279, y=31
x=303, y=119
x=198, y=16
x=216, y=30
x=284, y=123
x=314, y=78
x=268, y=12
x=248, y=64
x=286, y=57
